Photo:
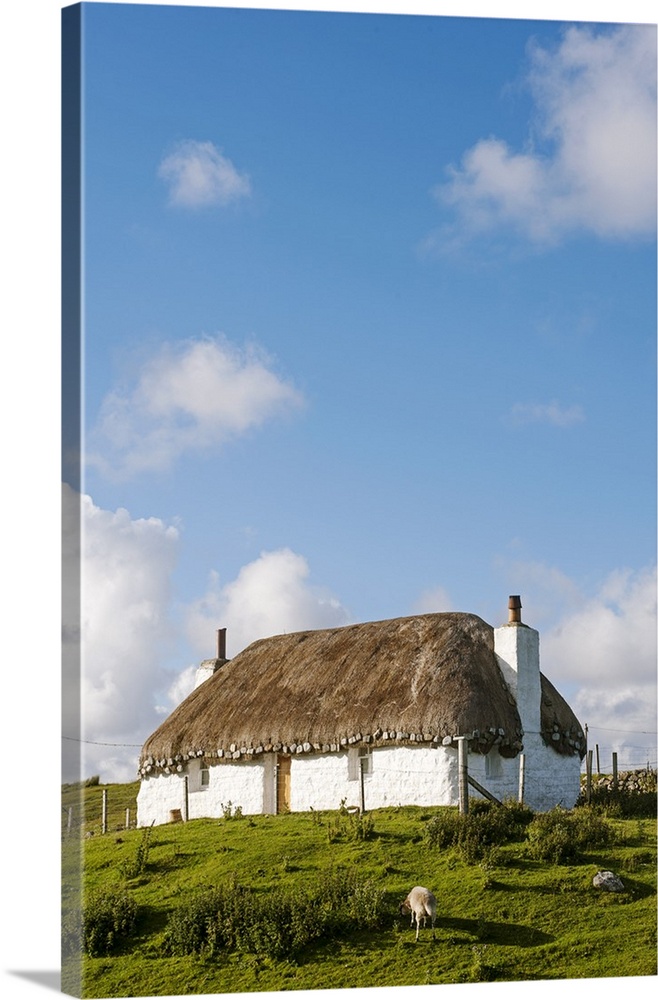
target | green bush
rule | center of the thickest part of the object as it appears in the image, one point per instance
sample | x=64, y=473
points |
x=443, y=830
x=133, y=867
x=107, y=916
x=278, y=923
x=559, y=836
x=474, y=834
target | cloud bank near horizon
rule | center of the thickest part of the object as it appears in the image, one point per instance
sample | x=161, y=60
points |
x=601, y=647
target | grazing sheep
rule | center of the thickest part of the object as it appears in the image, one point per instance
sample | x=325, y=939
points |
x=421, y=904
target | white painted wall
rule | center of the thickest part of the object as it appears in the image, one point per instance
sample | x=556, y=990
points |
x=550, y=778
x=242, y=784
x=399, y=776
x=517, y=651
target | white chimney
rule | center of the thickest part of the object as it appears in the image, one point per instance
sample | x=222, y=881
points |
x=208, y=667
x=517, y=650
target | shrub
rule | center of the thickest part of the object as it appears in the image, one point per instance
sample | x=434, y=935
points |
x=591, y=829
x=135, y=866
x=550, y=837
x=443, y=830
x=559, y=836
x=474, y=834
x=207, y=921
x=621, y=804
x=278, y=923
x=362, y=826
x=107, y=916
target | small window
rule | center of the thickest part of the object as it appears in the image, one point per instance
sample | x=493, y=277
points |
x=493, y=765
x=359, y=761
x=204, y=777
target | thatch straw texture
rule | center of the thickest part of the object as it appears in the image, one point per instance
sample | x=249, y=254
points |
x=420, y=679
x=559, y=726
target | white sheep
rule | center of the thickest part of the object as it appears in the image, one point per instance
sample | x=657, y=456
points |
x=421, y=904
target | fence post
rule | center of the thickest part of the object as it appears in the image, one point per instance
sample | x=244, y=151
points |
x=186, y=805
x=104, y=812
x=521, y=777
x=462, y=761
x=589, y=776
x=128, y=818
x=598, y=764
x=69, y=821
x=614, y=771
x=362, y=788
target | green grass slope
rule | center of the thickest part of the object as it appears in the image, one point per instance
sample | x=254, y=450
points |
x=503, y=914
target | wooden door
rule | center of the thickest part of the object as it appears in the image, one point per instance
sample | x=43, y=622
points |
x=283, y=784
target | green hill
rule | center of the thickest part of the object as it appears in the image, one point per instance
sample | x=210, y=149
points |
x=506, y=910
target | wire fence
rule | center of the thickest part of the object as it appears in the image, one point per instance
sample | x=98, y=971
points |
x=105, y=809
x=628, y=758
x=98, y=813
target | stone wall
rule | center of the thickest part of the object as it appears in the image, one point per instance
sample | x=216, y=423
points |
x=642, y=780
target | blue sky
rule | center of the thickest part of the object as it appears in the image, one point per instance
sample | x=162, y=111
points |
x=370, y=330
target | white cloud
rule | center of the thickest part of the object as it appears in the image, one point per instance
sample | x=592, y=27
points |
x=599, y=649
x=179, y=690
x=190, y=396
x=270, y=596
x=435, y=600
x=199, y=176
x=590, y=161
x=553, y=413
x=118, y=629
x=608, y=641
x=125, y=568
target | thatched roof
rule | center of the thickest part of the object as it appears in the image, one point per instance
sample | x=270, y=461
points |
x=423, y=679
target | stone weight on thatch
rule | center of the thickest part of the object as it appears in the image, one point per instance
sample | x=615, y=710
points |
x=406, y=680
x=608, y=881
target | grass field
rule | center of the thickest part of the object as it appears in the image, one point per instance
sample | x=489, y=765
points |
x=502, y=915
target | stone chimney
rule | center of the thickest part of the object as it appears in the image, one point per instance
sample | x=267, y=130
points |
x=517, y=650
x=208, y=667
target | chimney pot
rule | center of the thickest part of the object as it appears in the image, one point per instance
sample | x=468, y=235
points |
x=221, y=643
x=514, y=605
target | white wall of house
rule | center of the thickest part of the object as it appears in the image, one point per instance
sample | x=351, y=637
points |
x=550, y=778
x=393, y=776
x=240, y=784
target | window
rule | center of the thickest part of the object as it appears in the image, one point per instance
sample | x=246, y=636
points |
x=199, y=777
x=359, y=761
x=493, y=765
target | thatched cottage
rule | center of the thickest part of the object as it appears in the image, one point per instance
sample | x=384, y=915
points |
x=367, y=714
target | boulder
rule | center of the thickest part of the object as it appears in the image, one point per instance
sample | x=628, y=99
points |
x=608, y=881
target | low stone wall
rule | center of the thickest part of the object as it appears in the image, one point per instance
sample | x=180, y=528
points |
x=630, y=782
